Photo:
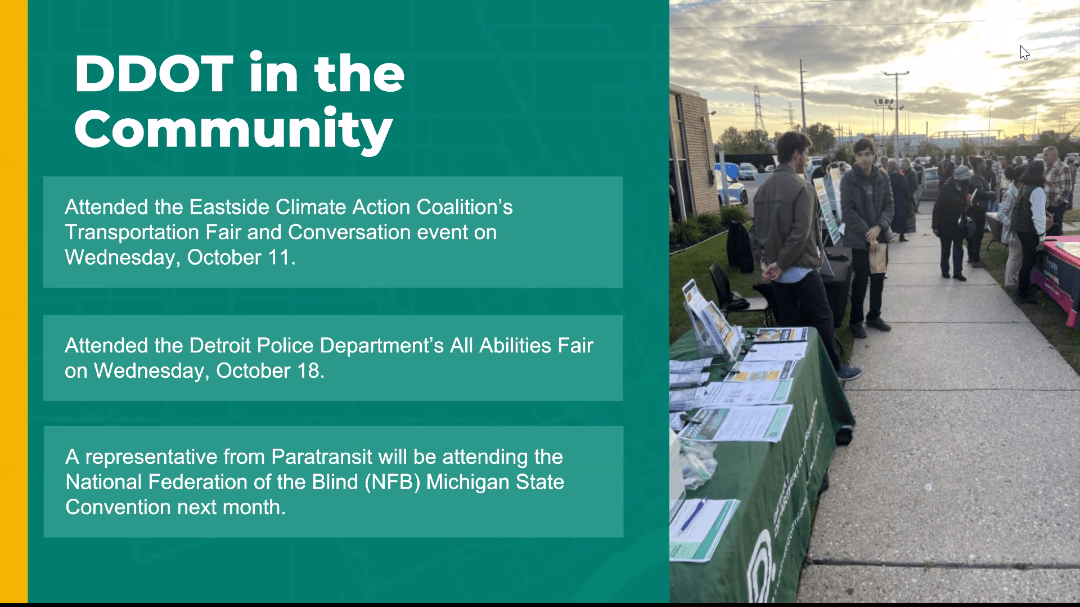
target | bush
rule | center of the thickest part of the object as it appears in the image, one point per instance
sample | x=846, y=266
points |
x=710, y=224
x=686, y=232
x=734, y=214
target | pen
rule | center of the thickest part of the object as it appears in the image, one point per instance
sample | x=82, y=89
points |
x=696, y=510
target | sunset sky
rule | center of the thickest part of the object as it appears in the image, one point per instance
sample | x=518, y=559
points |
x=963, y=55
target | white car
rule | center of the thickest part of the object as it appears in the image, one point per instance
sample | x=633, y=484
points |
x=747, y=171
x=736, y=192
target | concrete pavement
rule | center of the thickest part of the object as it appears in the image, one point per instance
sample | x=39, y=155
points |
x=963, y=481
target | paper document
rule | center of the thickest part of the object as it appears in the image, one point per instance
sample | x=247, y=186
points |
x=768, y=351
x=739, y=394
x=689, y=366
x=676, y=421
x=738, y=424
x=782, y=334
x=699, y=541
x=766, y=370
x=687, y=380
x=684, y=400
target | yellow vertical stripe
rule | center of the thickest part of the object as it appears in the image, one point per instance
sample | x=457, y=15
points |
x=13, y=272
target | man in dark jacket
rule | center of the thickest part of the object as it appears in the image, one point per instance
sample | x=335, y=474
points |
x=945, y=171
x=866, y=200
x=981, y=195
x=950, y=222
x=787, y=244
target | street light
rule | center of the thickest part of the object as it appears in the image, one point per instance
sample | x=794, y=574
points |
x=883, y=103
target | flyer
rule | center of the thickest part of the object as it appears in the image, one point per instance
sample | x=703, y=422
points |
x=768, y=370
x=732, y=394
x=698, y=542
x=781, y=334
x=738, y=424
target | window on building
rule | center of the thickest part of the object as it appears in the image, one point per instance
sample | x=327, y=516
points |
x=682, y=201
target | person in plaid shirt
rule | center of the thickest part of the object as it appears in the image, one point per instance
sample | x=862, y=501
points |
x=1059, y=184
x=999, y=182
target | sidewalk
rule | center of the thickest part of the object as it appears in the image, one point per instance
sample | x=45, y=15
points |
x=963, y=481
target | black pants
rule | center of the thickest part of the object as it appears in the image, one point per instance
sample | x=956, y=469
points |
x=860, y=263
x=978, y=219
x=952, y=241
x=1029, y=241
x=805, y=304
x=1059, y=216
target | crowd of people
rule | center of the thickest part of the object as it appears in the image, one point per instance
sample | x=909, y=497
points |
x=878, y=201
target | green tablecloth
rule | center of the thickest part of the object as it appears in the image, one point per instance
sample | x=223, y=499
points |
x=761, y=551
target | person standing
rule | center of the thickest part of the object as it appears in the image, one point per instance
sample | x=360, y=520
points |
x=1008, y=236
x=911, y=179
x=949, y=222
x=866, y=202
x=787, y=245
x=980, y=196
x=1059, y=183
x=900, y=200
x=999, y=181
x=920, y=173
x=1029, y=221
x=945, y=171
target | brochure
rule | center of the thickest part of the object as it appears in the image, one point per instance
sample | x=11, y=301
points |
x=698, y=542
x=732, y=394
x=738, y=424
x=768, y=370
x=780, y=334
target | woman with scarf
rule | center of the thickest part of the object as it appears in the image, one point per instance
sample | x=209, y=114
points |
x=950, y=222
x=1029, y=225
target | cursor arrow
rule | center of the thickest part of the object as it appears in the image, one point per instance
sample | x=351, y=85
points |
x=1024, y=54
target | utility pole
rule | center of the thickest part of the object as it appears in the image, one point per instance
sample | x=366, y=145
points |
x=802, y=94
x=896, y=140
x=790, y=115
x=759, y=122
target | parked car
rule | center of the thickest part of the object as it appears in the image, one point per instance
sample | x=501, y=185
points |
x=930, y=181
x=747, y=171
x=736, y=191
x=1040, y=157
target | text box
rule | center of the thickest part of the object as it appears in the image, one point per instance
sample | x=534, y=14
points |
x=406, y=358
x=382, y=232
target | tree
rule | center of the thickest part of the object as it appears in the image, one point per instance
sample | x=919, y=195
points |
x=929, y=149
x=756, y=141
x=732, y=140
x=823, y=137
x=844, y=154
x=967, y=147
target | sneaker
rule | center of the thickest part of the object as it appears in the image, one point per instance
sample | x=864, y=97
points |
x=979, y=264
x=878, y=324
x=960, y=277
x=847, y=373
x=857, y=330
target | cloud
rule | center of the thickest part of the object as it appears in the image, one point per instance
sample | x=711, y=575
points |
x=724, y=49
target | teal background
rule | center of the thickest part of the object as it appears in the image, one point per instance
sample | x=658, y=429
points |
x=449, y=376
x=492, y=88
x=543, y=206
x=589, y=504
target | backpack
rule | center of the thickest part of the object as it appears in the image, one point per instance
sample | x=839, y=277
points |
x=739, y=253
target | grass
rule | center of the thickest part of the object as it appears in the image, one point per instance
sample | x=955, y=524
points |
x=694, y=263
x=1073, y=215
x=1048, y=317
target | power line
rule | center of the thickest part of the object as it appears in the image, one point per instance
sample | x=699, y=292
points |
x=833, y=25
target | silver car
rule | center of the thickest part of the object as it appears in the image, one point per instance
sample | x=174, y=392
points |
x=930, y=184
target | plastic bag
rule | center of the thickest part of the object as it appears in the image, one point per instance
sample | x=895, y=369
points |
x=698, y=463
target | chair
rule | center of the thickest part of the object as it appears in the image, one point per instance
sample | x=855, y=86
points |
x=724, y=296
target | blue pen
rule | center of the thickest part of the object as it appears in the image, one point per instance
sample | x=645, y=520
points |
x=696, y=510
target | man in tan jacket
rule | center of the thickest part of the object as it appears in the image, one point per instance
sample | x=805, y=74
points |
x=787, y=246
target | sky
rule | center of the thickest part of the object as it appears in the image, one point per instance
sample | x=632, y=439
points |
x=966, y=73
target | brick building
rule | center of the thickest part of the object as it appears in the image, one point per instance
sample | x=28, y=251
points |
x=690, y=156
